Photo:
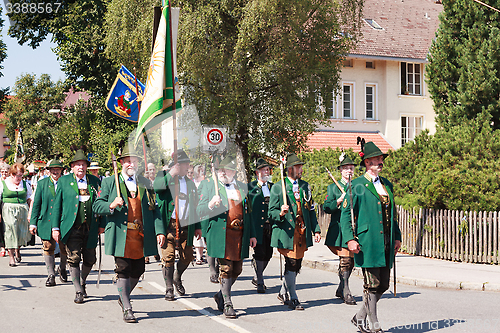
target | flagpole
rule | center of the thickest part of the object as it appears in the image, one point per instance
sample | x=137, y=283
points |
x=139, y=108
x=174, y=125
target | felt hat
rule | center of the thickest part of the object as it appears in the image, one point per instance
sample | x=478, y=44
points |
x=127, y=151
x=229, y=163
x=79, y=156
x=345, y=160
x=54, y=163
x=370, y=150
x=292, y=160
x=94, y=166
x=261, y=163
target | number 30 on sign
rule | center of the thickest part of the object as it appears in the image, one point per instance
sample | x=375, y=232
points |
x=215, y=138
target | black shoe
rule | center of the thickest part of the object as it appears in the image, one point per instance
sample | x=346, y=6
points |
x=51, y=281
x=169, y=295
x=157, y=257
x=284, y=299
x=128, y=316
x=360, y=324
x=179, y=287
x=63, y=274
x=261, y=289
x=219, y=301
x=254, y=282
x=214, y=278
x=120, y=303
x=294, y=304
x=349, y=300
x=79, y=297
x=84, y=291
x=146, y=260
x=229, y=311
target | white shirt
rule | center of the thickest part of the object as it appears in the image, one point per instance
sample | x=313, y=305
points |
x=130, y=183
x=82, y=185
x=13, y=187
x=231, y=191
x=265, y=189
x=183, y=203
x=378, y=185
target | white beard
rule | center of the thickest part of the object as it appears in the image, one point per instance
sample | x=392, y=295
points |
x=130, y=172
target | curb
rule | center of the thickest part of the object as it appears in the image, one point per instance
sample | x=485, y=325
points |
x=485, y=286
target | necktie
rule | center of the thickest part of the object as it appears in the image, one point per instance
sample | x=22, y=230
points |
x=130, y=179
x=376, y=179
x=81, y=180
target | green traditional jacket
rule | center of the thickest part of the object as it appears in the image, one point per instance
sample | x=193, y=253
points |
x=116, y=222
x=217, y=219
x=259, y=211
x=66, y=207
x=369, y=223
x=163, y=184
x=284, y=226
x=43, y=207
x=334, y=235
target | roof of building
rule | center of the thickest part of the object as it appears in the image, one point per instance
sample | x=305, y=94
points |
x=346, y=140
x=408, y=28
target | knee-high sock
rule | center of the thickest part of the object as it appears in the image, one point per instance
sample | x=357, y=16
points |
x=133, y=283
x=291, y=279
x=124, y=288
x=168, y=276
x=259, y=270
x=50, y=262
x=75, y=278
x=345, y=276
x=212, y=265
x=371, y=309
x=181, y=267
x=85, y=272
x=225, y=288
x=284, y=289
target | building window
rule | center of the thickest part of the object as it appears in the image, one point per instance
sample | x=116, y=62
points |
x=411, y=126
x=347, y=91
x=373, y=24
x=411, y=78
x=370, y=64
x=347, y=63
x=370, y=99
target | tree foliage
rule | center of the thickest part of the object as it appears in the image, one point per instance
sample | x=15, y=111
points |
x=261, y=67
x=463, y=74
x=3, y=47
x=453, y=169
x=78, y=29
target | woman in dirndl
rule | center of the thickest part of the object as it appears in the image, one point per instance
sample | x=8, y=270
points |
x=16, y=196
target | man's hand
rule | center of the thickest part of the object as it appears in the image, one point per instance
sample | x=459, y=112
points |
x=56, y=235
x=284, y=210
x=197, y=234
x=317, y=237
x=339, y=200
x=353, y=246
x=174, y=170
x=100, y=231
x=161, y=239
x=253, y=242
x=117, y=202
x=215, y=202
x=397, y=246
x=33, y=229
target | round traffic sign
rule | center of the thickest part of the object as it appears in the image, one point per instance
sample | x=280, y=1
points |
x=215, y=136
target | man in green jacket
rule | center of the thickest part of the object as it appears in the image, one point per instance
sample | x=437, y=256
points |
x=74, y=223
x=41, y=224
x=259, y=192
x=372, y=233
x=294, y=223
x=333, y=204
x=132, y=223
x=230, y=230
x=180, y=223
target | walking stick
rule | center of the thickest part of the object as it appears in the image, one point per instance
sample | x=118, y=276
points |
x=214, y=177
x=335, y=181
x=394, y=273
x=283, y=188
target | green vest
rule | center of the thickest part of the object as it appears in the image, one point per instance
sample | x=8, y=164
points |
x=9, y=196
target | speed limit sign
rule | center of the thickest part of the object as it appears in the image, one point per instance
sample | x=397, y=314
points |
x=215, y=138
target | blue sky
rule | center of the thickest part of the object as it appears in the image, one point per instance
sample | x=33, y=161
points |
x=23, y=59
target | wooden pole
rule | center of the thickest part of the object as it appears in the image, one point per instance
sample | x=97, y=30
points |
x=334, y=180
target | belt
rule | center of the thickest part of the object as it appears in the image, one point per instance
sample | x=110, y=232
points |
x=236, y=224
x=135, y=225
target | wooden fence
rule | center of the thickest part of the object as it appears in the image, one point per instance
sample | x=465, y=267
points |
x=445, y=234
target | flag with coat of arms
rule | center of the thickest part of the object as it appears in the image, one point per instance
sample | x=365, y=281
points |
x=123, y=100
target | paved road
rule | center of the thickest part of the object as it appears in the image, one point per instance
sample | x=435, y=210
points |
x=26, y=305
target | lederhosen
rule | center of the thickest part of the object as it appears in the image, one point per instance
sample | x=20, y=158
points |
x=376, y=279
x=132, y=264
x=231, y=265
x=76, y=243
x=293, y=258
x=168, y=249
x=264, y=251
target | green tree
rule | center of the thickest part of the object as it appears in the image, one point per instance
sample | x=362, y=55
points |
x=262, y=67
x=463, y=74
x=3, y=47
x=453, y=169
x=28, y=110
x=77, y=28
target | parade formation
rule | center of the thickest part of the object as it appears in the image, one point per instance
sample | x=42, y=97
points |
x=143, y=217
